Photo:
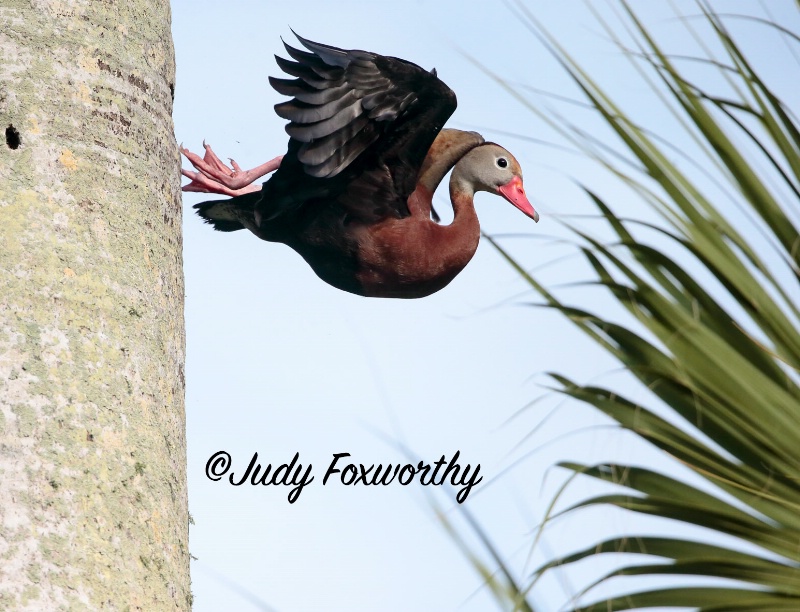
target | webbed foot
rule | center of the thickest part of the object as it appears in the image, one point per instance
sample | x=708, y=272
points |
x=213, y=176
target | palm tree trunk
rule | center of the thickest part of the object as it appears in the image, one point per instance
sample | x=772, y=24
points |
x=93, y=505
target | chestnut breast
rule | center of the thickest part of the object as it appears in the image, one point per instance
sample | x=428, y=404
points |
x=413, y=257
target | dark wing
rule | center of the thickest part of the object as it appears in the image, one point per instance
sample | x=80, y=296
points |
x=360, y=125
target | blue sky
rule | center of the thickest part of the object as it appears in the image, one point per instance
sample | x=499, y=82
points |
x=280, y=363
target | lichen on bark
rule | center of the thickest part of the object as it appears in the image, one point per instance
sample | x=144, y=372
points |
x=92, y=427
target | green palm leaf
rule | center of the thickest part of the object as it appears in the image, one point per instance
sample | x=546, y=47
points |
x=715, y=341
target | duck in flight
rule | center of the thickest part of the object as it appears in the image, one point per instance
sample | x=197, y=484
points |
x=353, y=193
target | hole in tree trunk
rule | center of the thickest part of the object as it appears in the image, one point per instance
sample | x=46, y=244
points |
x=12, y=137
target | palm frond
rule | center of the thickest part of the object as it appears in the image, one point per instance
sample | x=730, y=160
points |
x=713, y=326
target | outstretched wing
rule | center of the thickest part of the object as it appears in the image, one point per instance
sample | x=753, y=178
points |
x=360, y=125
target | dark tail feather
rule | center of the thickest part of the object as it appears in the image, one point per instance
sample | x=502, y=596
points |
x=228, y=215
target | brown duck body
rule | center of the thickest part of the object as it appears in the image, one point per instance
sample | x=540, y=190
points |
x=411, y=257
x=353, y=193
x=401, y=257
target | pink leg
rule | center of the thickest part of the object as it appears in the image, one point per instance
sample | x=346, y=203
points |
x=213, y=176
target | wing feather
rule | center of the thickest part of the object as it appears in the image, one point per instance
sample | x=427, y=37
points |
x=303, y=92
x=310, y=123
x=343, y=109
x=317, y=151
x=306, y=74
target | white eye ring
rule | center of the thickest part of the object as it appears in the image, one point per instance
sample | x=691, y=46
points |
x=502, y=162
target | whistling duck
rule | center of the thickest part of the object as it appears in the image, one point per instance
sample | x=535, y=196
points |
x=352, y=195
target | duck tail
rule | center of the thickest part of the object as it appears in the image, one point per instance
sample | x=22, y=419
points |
x=230, y=215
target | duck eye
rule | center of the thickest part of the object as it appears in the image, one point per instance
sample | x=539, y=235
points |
x=502, y=162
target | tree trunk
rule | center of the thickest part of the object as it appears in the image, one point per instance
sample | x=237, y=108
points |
x=93, y=506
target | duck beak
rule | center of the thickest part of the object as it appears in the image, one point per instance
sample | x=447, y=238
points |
x=514, y=192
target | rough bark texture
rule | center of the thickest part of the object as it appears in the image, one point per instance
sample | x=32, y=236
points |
x=93, y=503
